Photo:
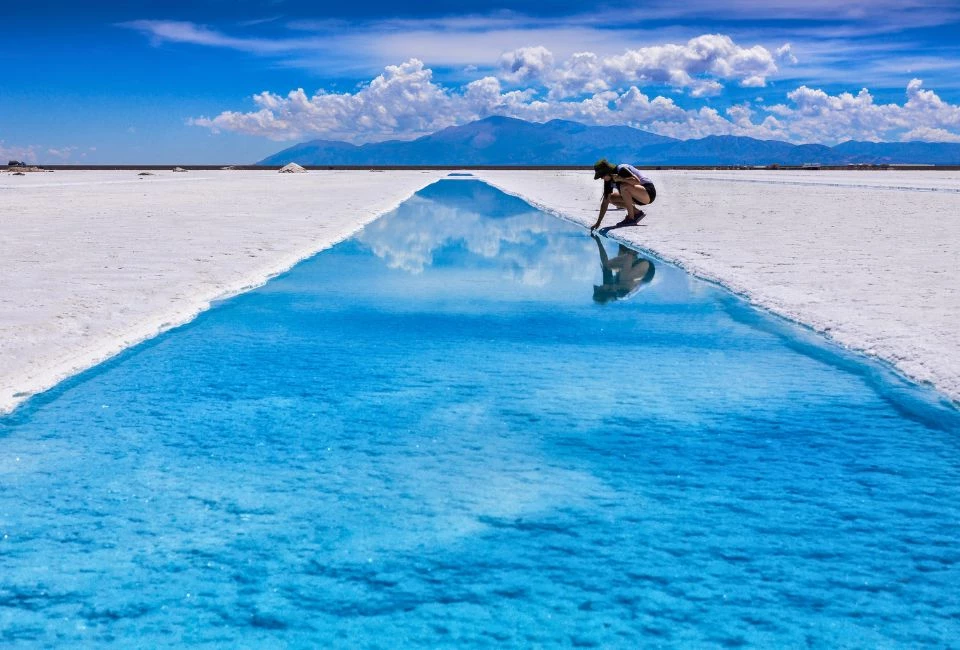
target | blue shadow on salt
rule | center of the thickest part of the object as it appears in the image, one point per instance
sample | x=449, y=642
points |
x=475, y=425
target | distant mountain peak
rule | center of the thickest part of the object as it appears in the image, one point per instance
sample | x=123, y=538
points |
x=499, y=119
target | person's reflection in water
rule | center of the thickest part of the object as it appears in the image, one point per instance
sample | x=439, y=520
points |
x=623, y=275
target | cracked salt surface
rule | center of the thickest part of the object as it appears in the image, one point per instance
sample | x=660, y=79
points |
x=473, y=425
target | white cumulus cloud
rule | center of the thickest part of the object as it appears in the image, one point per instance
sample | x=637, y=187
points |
x=405, y=101
x=526, y=64
x=784, y=54
x=696, y=65
x=816, y=116
x=930, y=134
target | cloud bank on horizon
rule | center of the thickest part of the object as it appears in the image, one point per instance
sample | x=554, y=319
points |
x=534, y=83
x=404, y=101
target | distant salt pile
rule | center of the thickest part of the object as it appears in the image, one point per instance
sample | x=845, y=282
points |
x=292, y=168
x=179, y=169
x=20, y=169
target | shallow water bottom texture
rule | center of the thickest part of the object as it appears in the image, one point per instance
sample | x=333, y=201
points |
x=474, y=425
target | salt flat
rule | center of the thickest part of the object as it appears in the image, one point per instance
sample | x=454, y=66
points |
x=870, y=258
x=94, y=262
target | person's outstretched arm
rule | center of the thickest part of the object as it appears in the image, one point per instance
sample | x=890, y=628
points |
x=603, y=210
x=604, y=262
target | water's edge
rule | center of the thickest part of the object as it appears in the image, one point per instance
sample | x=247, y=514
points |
x=139, y=333
x=904, y=392
x=750, y=298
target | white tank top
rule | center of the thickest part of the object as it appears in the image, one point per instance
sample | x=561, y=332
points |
x=635, y=172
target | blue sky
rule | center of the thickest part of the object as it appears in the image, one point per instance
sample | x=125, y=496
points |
x=215, y=81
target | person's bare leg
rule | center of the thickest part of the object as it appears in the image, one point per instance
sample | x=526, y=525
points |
x=617, y=201
x=637, y=195
x=627, y=192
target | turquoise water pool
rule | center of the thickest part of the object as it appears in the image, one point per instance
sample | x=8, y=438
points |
x=475, y=425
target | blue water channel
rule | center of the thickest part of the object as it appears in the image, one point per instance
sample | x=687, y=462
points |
x=475, y=425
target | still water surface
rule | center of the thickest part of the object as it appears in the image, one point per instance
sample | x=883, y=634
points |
x=473, y=424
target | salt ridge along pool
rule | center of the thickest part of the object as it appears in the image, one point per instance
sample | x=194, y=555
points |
x=475, y=425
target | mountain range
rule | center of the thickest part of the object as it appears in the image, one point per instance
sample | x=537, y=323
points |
x=507, y=141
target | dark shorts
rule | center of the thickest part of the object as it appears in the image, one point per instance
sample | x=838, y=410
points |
x=651, y=190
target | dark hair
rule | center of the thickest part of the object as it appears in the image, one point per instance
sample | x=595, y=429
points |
x=603, y=168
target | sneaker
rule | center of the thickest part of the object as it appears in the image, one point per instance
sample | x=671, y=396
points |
x=637, y=218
